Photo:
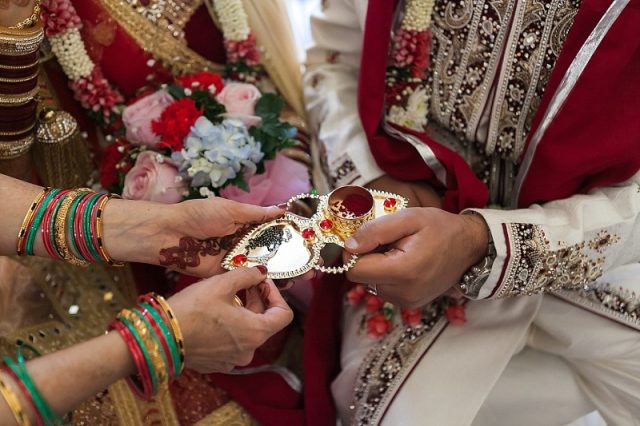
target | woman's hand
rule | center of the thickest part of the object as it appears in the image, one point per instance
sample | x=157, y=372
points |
x=220, y=335
x=419, y=194
x=192, y=236
x=426, y=252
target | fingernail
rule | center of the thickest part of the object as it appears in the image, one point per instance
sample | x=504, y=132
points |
x=262, y=269
x=283, y=206
x=351, y=244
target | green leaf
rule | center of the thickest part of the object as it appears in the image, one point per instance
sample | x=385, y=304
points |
x=269, y=104
x=176, y=91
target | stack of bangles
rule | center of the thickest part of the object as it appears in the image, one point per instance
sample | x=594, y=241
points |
x=17, y=371
x=153, y=336
x=71, y=225
x=155, y=342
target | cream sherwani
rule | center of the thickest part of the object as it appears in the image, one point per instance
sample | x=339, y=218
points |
x=554, y=331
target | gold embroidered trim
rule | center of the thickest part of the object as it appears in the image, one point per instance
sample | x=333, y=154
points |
x=535, y=268
x=387, y=364
x=230, y=414
x=173, y=53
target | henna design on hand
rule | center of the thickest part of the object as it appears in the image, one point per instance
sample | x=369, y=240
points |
x=189, y=250
x=5, y=4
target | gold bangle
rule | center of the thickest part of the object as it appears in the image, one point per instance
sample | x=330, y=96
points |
x=100, y=235
x=31, y=20
x=60, y=228
x=173, y=323
x=20, y=42
x=19, y=67
x=159, y=364
x=22, y=233
x=14, y=149
x=20, y=79
x=14, y=404
x=18, y=132
x=20, y=98
x=238, y=301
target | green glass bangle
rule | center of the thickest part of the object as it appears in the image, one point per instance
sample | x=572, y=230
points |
x=145, y=353
x=33, y=232
x=86, y=225
x=70, y=220
x=155, y=337
x=48, y=415
x=171, y=341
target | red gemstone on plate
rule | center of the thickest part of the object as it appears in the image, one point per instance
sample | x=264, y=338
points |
x=239, y=260
x=308, y=234
x=326, y=225
x=390, y=203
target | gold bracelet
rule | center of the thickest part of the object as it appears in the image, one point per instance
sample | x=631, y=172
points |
x=31, y=20
x=20, y=98
x=19, y=67
x=160, y=365
x=100, y=235
x=21, y=42
x=18, y=132
x=19, y=79
x=22, y=233
x=173, y=323
x=14, y=149
x=14, y=404
x=60, y=228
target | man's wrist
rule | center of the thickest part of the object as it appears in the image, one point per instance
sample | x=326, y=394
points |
x=478, y=237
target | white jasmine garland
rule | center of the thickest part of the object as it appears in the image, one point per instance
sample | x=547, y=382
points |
x=71, y=53
x=233, y=19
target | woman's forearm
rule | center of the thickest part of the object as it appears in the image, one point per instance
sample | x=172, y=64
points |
x=71, y=376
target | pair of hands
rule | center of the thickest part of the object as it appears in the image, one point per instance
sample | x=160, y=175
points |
x=418, y=254
x=218, y=334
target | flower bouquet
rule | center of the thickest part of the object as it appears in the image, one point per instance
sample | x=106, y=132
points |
x=203, y=137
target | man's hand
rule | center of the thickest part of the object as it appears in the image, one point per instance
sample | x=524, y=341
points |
x=425, y=253
x=419, y=194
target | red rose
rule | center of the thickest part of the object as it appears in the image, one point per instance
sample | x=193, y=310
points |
x=378, y=326
x=356, y=294
x=202, y=81
x=175, y=123
x=412, y=317
x=421, y=60
x=456, y=315
x=373, y=303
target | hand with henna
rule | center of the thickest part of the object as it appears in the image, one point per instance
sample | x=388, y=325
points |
x=191, y=237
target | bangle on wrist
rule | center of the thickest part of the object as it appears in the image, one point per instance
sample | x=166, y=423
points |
x=475, y=277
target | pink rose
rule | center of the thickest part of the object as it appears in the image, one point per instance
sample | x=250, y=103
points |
x=153, y=178
x=282, y=179
x=240, y=100
x=138, y=116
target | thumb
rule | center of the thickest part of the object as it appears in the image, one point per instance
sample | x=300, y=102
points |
x=249, y=213
x=244, y=278
x=382, y=231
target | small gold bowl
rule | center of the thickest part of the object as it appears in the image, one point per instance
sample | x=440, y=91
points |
x=349, y=207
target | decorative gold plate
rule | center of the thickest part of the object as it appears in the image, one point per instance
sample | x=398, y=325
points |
x=290, y=246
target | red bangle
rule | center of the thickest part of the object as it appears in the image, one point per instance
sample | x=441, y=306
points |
x=25, y=392
x=144, y=390
x=78, y=232
x=47, y=239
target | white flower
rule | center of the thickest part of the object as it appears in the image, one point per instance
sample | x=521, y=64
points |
x=414, y=116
